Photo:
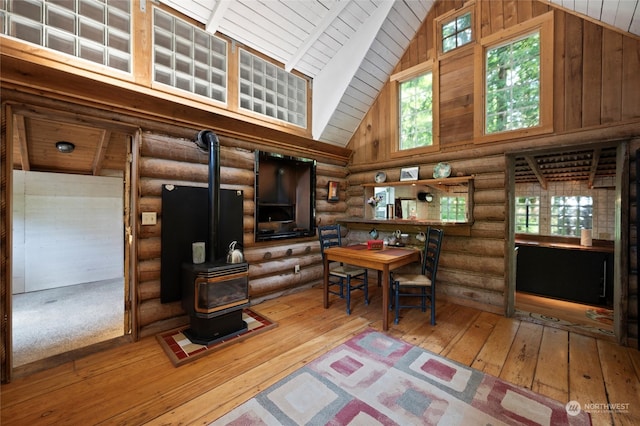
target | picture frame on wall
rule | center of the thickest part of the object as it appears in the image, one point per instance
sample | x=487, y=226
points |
x=332, y=193
x=409, y=173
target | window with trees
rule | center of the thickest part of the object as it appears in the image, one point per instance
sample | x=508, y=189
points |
x=414, y=116
x=416, y=112
x=456, y=31
x=571, y=214
x=528, y=215
x=516, y=80
x=453, y=209
x=513, y=85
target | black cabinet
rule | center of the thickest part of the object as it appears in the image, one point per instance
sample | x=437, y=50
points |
x=575, y=275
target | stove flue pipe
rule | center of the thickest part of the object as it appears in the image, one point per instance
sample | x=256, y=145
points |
x=208, y=141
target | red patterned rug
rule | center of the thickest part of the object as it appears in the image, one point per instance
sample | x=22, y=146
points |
x=376, y=379
x=602, y=315
x=181, y=350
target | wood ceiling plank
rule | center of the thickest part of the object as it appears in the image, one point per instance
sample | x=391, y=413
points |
x=536, y=171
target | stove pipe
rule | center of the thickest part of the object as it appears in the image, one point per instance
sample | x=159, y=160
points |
x=208, y=141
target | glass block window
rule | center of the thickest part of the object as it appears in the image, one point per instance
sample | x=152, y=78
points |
x=456, y=32
x=416, y=112
x=452, y=209
x=513, y=85
x=528, y=215
x=188, y=58
x=271, y=91
x=571, y=214
x=96, y=30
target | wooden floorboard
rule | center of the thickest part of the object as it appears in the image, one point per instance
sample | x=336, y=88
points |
x=137, y=384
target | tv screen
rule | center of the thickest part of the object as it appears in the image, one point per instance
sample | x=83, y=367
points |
x=284, y=196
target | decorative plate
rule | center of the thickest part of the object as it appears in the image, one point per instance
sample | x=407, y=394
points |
x=442, y=170
x=380, y=177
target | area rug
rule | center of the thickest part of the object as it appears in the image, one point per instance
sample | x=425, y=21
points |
x=601, y=315
x=374, y=379
x=182, y=350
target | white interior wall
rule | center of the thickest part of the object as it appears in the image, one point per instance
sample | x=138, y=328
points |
x=603, y=204
x=67, y=230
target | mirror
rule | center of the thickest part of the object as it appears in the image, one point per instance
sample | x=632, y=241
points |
x=422, y=202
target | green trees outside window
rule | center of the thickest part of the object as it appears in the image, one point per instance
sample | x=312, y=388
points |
x=416, y=112
x=528, y=215
x=456, y=32
x=513, y=85
x=571, y=214
x=453, y=209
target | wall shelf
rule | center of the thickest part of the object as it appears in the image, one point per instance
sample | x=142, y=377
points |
x=435, y=183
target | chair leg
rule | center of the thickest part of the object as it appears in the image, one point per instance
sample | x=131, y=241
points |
x=423, y=299
x=433, y=307
x=348, y=295
x=366, y=287
x=397, y=303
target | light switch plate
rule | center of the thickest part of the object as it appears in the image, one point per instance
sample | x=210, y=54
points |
x=148, y=218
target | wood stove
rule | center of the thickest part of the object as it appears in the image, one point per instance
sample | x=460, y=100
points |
x=214, y=293
x=214, y=296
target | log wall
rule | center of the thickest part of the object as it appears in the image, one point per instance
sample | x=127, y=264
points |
x=165, y=159
x=596, y=87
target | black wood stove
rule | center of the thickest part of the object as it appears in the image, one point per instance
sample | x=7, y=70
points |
x=214, y=293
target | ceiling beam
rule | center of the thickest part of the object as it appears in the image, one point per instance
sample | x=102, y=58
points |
x=218, y=11
x=334, y=79
x=327, y=19
x=595, y=159
x=20, y=138
x=536, y=170
x=101, y=152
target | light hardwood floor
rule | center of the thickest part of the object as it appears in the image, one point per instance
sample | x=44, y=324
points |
x=137, y=384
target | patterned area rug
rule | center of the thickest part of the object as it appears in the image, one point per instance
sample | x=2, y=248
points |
x=602, y=315
x=181, y=350
x=374, y=379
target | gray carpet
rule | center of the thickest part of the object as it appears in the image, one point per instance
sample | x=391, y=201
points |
x=51, y=322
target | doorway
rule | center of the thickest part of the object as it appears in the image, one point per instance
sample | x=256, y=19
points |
x=70, y=221
x=563, y=214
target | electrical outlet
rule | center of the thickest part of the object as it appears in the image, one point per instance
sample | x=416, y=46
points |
x=149, y=218
x=296, y=269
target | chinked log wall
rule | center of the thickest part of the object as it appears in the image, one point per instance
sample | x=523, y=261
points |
x=595, y=93
x=172, y=160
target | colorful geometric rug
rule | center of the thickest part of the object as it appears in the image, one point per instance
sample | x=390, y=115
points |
x=374, y=379
x=181, y=350
x=602, y=315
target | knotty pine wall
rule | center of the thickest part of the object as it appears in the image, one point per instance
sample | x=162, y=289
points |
x=595, y=99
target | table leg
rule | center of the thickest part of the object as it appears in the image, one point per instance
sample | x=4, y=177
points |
x=325, y=292
x=385, y=298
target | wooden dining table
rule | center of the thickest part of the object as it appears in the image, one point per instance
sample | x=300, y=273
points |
x=383, y=261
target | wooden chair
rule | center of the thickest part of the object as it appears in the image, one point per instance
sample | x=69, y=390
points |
x=403, y=285
x=345, y=277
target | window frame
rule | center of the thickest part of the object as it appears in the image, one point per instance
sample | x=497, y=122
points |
x=395, y=81
x=453, y=204
x=535, y=205
x=579, y=208
x=542, y=24
x=442, y=20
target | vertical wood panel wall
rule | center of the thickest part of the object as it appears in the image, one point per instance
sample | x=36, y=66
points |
x=596, y=87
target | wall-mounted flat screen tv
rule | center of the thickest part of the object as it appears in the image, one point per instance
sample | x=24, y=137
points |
x=284, y=196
